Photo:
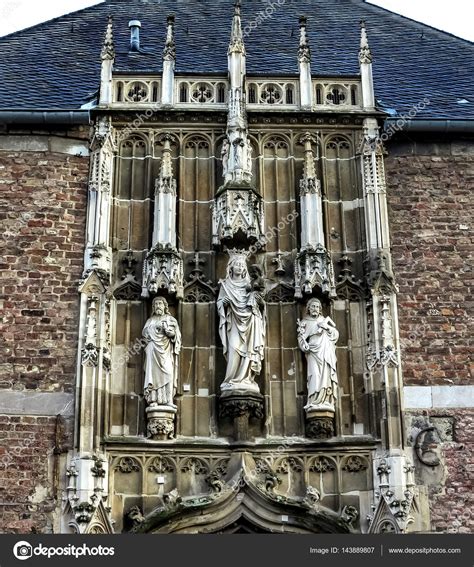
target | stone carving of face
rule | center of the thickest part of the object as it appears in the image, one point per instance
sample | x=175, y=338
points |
x=314, y=308
x=159, y=307
x=239, y=267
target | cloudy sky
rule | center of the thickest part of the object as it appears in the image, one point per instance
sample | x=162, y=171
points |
x=454, y=16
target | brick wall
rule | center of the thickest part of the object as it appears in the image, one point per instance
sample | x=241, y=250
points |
x=26, y=494
x=430, y=205
x=43, y=195
x=43, y=246
x=431, y=224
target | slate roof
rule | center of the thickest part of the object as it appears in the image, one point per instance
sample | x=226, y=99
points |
x=56, y=64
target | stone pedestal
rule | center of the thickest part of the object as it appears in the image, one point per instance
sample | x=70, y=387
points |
x=319, y=424
x=160, y=421
x=241, y=406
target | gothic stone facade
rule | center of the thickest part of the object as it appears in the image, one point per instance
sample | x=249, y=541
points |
x=173, y=172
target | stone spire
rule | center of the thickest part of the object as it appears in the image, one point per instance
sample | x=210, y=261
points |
x=169, y=62
x=108, y=50
x=163, y=266
x=304, y=51
x=365, y=63
x=169, y=52
x=304, y=64
x=107, y=56
x=237, y=211
x=313, y=266
x=237, y=150
x=164, y=230
x=236, y=44
x=309, y=183
x=312, y=233
x=365, y=55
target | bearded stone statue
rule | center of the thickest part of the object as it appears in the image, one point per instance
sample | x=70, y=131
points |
x=241, y=312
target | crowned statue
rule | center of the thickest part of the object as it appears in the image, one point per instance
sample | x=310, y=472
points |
x=241, y=312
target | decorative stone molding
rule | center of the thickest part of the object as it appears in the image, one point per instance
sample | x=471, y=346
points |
x=241, y=408
x=197, y=288
x=160, y=422
x=354, y=464
x=347, y=287
x=319, y=426
x=128, y=288
x=127, y=465
x=161, y=465
x=163, y=272
x=322, y=465
x=396, y=507
x=312, y=497
x=85, y=509
x=314, y=271
x=98, y=263
x=237, y=217
x=281, y=293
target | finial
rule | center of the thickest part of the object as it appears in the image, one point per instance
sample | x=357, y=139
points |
x=236, y=38
x=108, y=51
x=304, y=52
x=365, y=55
x=169, y=52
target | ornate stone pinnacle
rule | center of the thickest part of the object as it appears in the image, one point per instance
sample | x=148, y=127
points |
x=365, y=55
x=309, y=169
x=236, y=43
x=108, y=50
x=304, y=51
x=169, y=51
x=166, y=170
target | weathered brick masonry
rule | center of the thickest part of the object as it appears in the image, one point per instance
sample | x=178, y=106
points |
x=429, y=192
x=26, y=471
x=44, y=207
x=430, y=200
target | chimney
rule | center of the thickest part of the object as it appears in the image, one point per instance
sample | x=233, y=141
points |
x=134, y=26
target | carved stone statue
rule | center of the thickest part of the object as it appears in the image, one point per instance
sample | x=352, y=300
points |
x=225, y=158
x=242, y=325
x=163, y=338
x=317, y=338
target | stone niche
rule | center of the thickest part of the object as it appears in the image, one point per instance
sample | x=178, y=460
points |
x=282, y=380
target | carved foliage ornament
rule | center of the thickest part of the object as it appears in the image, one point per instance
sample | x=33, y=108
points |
x=161, y=465
x=127, y=465
x=354, y=464
x=322, y=465
x=195, y=465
